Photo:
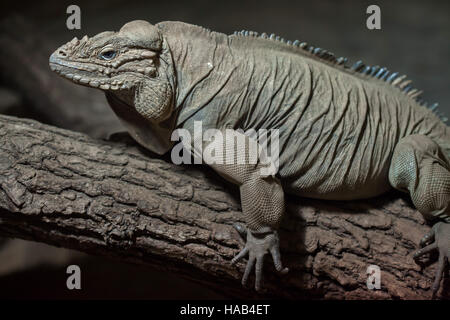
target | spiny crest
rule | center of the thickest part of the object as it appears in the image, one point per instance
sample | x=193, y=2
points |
x=318, y=52
x=381, y=73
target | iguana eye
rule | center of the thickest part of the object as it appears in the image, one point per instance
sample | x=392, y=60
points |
x=108, y=55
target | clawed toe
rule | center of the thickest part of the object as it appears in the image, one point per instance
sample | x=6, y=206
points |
x=425, y=250
x=427, y=238
x=242, y=231
x=240, y=255
x=440, y=233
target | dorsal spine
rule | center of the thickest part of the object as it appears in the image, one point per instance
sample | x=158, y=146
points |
x=381, y=73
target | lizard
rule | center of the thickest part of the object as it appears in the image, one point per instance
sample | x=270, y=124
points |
x=345, y=131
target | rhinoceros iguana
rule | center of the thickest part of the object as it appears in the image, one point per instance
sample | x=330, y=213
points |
x=343, y=132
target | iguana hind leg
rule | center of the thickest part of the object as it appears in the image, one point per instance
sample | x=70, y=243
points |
x=419, y=166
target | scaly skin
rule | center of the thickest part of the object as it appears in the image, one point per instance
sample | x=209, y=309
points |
x=343, y=133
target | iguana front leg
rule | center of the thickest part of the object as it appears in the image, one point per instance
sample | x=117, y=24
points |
x=419, y=166
x=262, y=197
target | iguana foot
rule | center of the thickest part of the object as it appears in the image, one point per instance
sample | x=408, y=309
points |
x=440, y=233
x=257, y=246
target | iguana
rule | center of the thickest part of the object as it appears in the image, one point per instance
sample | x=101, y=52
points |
x=345, y=132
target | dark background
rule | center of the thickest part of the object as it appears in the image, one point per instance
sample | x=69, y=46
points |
x=413, y=40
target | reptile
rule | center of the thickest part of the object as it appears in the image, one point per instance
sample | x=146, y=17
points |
x=344, y=131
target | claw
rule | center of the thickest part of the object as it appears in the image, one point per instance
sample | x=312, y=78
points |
x=241, y=230
x=422, y=251
x=427, y=238
x=438, y=277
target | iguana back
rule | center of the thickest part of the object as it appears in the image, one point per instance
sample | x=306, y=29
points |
x=338, y=126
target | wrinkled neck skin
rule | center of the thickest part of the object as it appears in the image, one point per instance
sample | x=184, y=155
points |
x=187, y=60
x=193, y=53
x=151, y=129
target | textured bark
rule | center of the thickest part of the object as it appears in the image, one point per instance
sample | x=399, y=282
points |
x=24, y=54
x=113, y=199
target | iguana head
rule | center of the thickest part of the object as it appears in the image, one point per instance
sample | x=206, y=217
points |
x=129, y=64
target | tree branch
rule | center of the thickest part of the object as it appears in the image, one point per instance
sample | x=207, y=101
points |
x=113, y=199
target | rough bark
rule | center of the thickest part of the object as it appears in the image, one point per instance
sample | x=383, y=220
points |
x=114, y=199
x=24, y=54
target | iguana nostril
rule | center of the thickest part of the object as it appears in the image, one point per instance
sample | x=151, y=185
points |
x=62, y=53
